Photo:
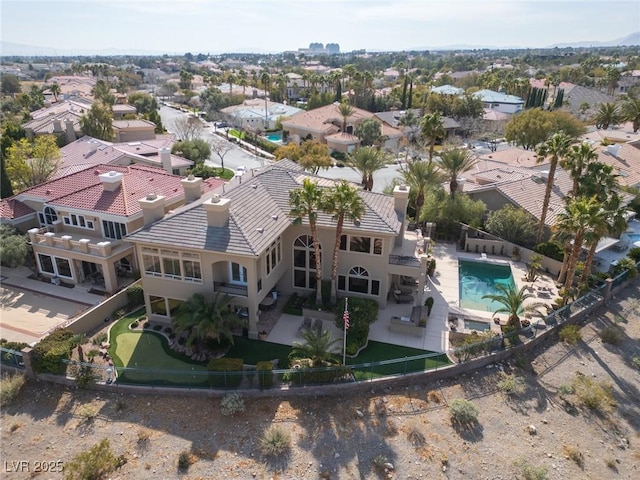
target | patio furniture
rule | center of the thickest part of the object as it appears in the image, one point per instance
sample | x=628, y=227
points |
x=403, y=291
x=402, y=297
x=405, y=325
x=305, y=326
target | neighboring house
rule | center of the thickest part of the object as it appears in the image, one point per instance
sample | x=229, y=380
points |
x=298, y=88
x=122, y=110
x=77, y=223
x=61, y=118
x=324, y=124
x=500, y=101
x=625, y=160
x=393, y=118
x=88, y=152
x=133, y=130
x=255, y=114
x=390, y=75
x=246, y=245
x=447, y=90
x=73, y=85
x=575, y=96
x=627, y=80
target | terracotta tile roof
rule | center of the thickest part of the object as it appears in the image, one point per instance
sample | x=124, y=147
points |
x=120, y=124
x=12, y=208
x=146, y=147
x=514, y=156
x=625, y=159
x=618, y=133
x=84, y=191
x=124, y=109
x=259, y=213
x=77, y=105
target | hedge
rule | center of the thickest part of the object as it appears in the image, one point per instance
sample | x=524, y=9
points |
x=265, y=375
x=49, y=353
x=362, y=313
x=232, y=365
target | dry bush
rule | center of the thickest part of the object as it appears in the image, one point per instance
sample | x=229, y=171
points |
x=435, y=396
x=574, y=454
x=415, y=434
x=10, y=386
x=594, y=395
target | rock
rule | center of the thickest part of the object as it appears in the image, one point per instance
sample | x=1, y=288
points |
x=389, y=466
x=545, y=421
x=384, y=400
x=532, y=430
x=359, y=413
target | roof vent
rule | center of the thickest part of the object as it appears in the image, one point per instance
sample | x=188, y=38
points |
x=356, y=222
x=260, y=230
x=215, y=198
x=254, y=186
x=275, y=217
x=402, y=187
x=151, y=196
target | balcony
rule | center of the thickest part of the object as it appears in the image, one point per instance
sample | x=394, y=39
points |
x=231, y=289
x=76, y=243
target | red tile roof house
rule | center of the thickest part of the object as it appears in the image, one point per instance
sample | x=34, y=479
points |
x=77, y=223
x=324, y=124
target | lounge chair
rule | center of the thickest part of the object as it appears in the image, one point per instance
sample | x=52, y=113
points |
x=305, y=326
x=402, y=297
x=403, y=291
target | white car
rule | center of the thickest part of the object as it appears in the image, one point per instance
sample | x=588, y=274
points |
x=240, y=171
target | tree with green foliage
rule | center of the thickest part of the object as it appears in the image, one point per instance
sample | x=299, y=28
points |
x=449, y=212
x=102, y=92
x=203, y=171
x=454, y=163
x=576, y=161
x=143, y=102
x=420, y=176
x=512, y=303
x=343, y=202
x=98, y=121
x=14, y=249
x=30, y=164
x=203, y=320
x=318, y=347
x=631, y=111
x=555, y=149
x=366, y=161
x=607, y=114
x=195, y=150
x=10, y=85
x=532, y=127
x=345, y=111
x=306, y=202
x=512, y=224
x=432, y=128
x=369, y=132
x=185, y=80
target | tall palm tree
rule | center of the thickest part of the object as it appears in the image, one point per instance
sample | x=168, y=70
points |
x=419, y=176
x=366, y=161
x=346, y=111
x=432, y=129
x=575, y=162
x=55, y=91
x=265, y=79
x=202, y=319
x=555, y=149
x=409, y=121
x=455, y=162
x=607, y=114
x=601, y=222
x=318, y=347
x=231, y=78
x=631, y=111
x=306, y=202
x=512, y=301
x=343, y=202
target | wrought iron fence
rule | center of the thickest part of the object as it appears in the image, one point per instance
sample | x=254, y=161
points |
x=11, y=358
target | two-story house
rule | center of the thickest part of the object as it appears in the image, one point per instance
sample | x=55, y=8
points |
x=77, y=223
x=245, y=244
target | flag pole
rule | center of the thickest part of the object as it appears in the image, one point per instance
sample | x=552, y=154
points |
x=345, y=320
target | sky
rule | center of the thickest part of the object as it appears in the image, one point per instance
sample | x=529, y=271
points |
x=214, y=26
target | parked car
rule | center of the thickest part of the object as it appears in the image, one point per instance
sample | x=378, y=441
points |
x=222, y=125
x=240, y=171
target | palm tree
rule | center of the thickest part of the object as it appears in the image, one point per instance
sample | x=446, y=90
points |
x=631, y=111
x=318, y=347
x=555, y=148
x=456, y=162
x=231, y=78
x=512, y=302
x=306, y=202
x=432, y=128
x=202, y=319
x=343, y=202
x=419, y=176
x=55, y=91
x=606, y=115
x=366, y=161
x=577, y=159
x=346, y=111
x=410, y=122
x=265, y=79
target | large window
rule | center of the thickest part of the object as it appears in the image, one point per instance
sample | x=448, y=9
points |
x=274, y=255
x=172, y=264
x=166, y=307
x=361, y=244
x=238, y=274
x=304, y=262
x=358, y=281
x=48, y=216
x=55, y=265
x=114, y=230
x=78, y=221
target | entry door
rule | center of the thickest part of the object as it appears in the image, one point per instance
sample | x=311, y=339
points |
x=89, y=269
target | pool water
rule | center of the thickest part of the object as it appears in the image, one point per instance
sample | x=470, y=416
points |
x=476, y=325
x=477, y=279
x=632, y=238
x=275, y=137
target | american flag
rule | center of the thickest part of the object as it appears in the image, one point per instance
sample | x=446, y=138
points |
x=345, y=318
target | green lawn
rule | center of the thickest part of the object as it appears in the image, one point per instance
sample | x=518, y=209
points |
x=254, y=351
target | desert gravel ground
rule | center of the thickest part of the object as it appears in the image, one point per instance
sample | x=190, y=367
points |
x=339, y=437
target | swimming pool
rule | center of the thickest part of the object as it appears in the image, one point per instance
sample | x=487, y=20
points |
x=275, y=137
x=476, y=325
x=476, y=279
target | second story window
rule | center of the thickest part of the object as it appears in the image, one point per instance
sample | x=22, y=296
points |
x=361, y=244
x=78, y=221
x=274, y=255
x=114, y=230
x=48, y=216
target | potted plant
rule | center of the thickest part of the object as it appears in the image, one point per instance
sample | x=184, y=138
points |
x=429, y=304
x=515, y=254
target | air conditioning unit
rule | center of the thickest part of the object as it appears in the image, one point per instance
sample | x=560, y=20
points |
x=55, y=280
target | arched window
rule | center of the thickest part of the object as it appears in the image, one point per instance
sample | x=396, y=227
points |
x=359, y=281
x=304, y=262
x=49, y=216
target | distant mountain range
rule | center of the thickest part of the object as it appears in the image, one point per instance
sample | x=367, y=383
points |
x=17, y=49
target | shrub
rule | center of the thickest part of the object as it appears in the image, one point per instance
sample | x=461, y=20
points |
x=100, y=338
x=307, y=374
x=512, y=384
x=146, y=325
x=97, y=462
x=157, y=328
x=380, y=463
x=635, y=362
x=15, y=346
x=119, y=313
x=185, y=459
x=550, y=249
x=463, y=412
x=265, y=375
x=531, y=472
x=570, y=334
x=362, y=312
x=594, y=395
x=293, y=305
x=49, y=353
x=134, y=324
x=634, y=254
x=86, y=376
x=275, y=441
x=231, y=404
x=574, y=454
x=14, y=249
x=135, y=295
x=226, y=372
x=415, y=435
x=10, y=386
x=611, y=335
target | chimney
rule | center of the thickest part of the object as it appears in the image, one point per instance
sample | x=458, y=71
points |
x=400, y=202
x=544, y=175
x=192, y=188
x=152, y=208
x=165, y=158
x=71, y=133
x=111, y=180
x=217, y=211
x=57, y=126
x=613, y=150
x=93, y=146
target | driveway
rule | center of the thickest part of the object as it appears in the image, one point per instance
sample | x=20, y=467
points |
x=26, y=316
